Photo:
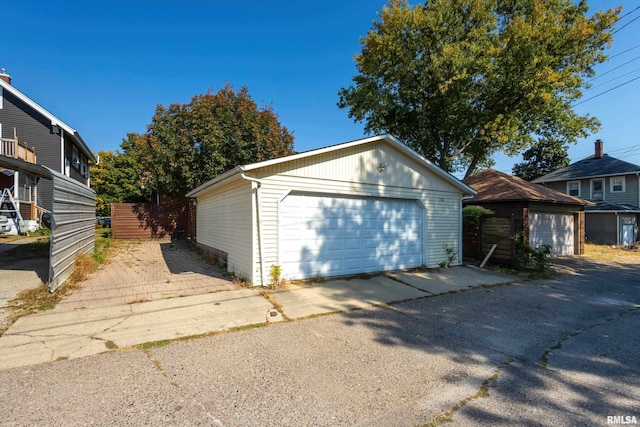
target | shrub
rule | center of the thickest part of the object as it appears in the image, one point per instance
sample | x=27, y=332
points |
x=528, y=257
x=471, y=215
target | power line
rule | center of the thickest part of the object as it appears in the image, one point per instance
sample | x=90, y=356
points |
x=627, y=14
x=613, y=69
x=618, y=29
x=615, y=78
x=624, y=16
x=606, y=91
x=627, y=149
x=624, y=51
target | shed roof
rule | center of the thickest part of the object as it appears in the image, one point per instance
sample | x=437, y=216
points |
x=54, y=120
x=606, y=206
x=494, y=186
x=590, y=167
x=391, y=140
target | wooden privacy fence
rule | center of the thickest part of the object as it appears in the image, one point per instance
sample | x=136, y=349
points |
x=493, y=230
x=148, y=220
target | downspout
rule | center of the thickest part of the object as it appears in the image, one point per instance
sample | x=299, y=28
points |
x=62, y=164
x=461, y=239
x=617, y=228
x=257, y=181
x=638, y=175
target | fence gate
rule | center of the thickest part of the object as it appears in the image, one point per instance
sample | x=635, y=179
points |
x=500, y=231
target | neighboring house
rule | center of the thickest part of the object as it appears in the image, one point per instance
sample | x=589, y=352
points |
x=363, y=206
x=613, y=184
x=56, y=146
x=542, y=216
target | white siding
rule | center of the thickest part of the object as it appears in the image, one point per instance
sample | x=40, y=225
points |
x=356, y=173
x=224, y=221
x=360, y=164
x=227, y=215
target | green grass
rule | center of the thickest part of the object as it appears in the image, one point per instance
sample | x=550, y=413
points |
x=38, y=248
x=103, y=239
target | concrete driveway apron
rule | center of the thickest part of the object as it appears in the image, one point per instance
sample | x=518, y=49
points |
x=161, y=290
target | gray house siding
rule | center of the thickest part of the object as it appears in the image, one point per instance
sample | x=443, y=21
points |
x=36, y=130
x=629, y=196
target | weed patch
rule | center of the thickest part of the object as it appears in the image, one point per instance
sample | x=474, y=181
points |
x=32, y=301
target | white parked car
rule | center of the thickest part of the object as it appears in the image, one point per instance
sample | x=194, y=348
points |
x=5, y=226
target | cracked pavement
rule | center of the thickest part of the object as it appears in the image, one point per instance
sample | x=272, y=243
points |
x=562, y=351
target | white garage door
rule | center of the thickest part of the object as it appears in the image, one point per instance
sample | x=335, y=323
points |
x=332, y=236
x=555, y=230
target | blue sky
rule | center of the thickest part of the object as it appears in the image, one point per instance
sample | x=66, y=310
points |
x=102, y=67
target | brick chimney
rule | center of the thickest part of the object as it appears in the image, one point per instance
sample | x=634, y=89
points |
x=599, y=149
x=4, y=76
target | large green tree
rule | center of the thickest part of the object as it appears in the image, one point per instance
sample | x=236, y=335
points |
x=188, y=144
x=115, y=179
x=459, y=80
x=543, y=157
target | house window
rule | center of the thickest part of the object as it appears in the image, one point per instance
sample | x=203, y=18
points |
x=617, y=184
x=75, y=160
x=597, y=189
x=573, y=188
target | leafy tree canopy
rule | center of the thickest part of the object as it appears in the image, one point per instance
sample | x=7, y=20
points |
x=115, y=179
x=542, y=158
x=188, y=144
x=459, y=80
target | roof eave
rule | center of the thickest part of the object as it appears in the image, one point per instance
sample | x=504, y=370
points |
x=465, y=189
x=54, y=120
x=202, y=187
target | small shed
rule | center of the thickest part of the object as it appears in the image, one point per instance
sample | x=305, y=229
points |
x=363, y=206
x=542, y=216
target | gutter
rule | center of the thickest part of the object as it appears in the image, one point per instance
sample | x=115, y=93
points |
x=259, y=219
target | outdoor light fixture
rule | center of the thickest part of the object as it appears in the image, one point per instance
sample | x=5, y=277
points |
x=382, y=167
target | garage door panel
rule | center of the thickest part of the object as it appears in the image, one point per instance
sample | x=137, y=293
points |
x=553, y=229
x=339, y=235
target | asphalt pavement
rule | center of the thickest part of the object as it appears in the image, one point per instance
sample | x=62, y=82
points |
x=554, y=352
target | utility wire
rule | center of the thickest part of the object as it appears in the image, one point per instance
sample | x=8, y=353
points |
x=606, y=91
x=618, y=29
x=615, y=78
x=613, y=69
x=624, y=51
x=623, y=16
x=627, y=149
x=628, y=13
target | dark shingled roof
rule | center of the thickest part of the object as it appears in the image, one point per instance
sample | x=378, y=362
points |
x=494, y=186
x=605, y=206
x=589, y=168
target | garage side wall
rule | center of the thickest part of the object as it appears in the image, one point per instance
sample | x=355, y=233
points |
x=224, y=226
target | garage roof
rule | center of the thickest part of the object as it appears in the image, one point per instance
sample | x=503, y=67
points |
x=391, y=140
x=494, y=186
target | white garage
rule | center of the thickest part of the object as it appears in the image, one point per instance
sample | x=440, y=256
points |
x=553, y=229
x=363, y=206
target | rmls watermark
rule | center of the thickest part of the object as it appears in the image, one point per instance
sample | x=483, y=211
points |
x=622, y=419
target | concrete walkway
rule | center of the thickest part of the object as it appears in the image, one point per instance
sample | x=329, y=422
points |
x=81, y=325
